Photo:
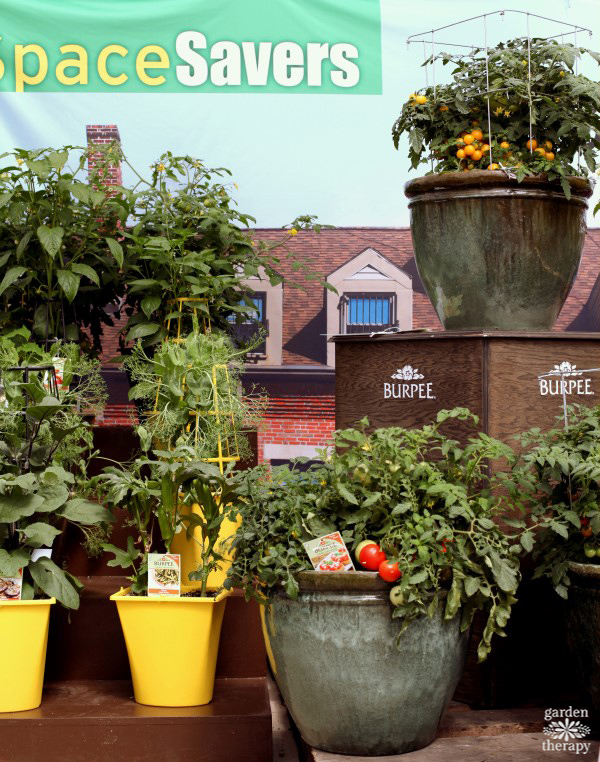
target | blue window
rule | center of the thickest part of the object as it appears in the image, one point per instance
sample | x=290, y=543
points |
x=247, y=328
x=362, y=313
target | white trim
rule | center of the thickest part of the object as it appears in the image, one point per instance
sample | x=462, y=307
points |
x=287, y=452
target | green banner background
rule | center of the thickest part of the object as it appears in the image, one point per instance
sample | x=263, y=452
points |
x=134, y=24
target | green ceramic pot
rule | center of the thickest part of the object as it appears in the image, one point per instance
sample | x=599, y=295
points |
x=583, y=627
x=494, y=254
x=346, y=685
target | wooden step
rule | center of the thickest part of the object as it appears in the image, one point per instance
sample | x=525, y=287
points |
x=98, y=721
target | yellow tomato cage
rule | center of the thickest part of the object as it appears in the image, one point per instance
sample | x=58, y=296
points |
x=226, y=453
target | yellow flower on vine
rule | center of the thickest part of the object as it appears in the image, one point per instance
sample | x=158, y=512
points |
x=293, y=231
x=507, y=113
x=19, y=161
x=160, y=166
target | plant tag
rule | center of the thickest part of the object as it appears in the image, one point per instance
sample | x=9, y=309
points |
x=164, y=574
x=329, y=553
x=11, y=587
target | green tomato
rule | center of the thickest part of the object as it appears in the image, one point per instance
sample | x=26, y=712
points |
x=597, y=552
x=397, y=596
x=589, y=551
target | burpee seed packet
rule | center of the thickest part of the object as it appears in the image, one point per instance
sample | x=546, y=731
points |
x=11, y=587
x=164, y=574
x=329, y=553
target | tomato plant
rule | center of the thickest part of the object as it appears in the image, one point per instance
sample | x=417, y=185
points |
x=448, y=124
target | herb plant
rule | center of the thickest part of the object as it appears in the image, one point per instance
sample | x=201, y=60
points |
x=448, y=124
x=425, y=499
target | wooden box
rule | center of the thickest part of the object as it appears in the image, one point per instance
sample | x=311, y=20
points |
x=404, y=379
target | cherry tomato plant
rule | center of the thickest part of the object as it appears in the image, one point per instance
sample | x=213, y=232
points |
x=448, y=124
x=429, y=504
x=556, y=483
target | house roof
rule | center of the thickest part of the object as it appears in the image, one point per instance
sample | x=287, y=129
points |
x=304, y=315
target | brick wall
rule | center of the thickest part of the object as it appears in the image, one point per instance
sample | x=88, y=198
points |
x=103, y=134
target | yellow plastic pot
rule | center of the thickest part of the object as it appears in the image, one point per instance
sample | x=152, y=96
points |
x=23, y=641
x=163, y=672
x=191, y=552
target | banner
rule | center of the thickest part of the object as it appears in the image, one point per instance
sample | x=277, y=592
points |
x=183, y=46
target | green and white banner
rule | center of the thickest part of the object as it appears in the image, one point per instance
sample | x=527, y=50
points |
x=182, y=46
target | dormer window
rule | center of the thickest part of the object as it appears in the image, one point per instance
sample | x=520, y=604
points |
x=367, y=312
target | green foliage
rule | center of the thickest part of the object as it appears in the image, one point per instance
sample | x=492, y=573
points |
x=156, y=489
x=184, y=383
x=557, y=485
x=564, y=108
x=41, y=437
x=188, y=240
x=57, y=271
x=427, y=500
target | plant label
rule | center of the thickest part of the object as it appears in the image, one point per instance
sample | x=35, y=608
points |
x=164, y=574
x=329, y=553
x=11, y=587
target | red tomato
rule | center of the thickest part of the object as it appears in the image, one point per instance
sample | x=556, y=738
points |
x=360, y=546
x=371, y=557
x=389, y=571
x=585, y=521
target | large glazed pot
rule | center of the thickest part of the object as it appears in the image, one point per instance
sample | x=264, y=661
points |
x=494, y=254
x=346, y=685
x=584, y=626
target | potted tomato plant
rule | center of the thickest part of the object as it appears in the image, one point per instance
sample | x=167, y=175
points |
x=44, y=447
x=366, y=661
x=498, y=224
x=557, y=482
x=157, y=489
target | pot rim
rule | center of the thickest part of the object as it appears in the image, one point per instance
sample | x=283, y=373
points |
x=484, y=179
x=588, y=571
x=122, y=596
x=37, y=602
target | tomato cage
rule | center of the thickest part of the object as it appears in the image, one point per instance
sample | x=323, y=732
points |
x=432, y=51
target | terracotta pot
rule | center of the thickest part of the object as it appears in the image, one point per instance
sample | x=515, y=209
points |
x=349, y=689
x=494, y=254
x=583, y=627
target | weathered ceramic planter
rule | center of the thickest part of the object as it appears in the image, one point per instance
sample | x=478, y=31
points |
x=583, y=626
x=494, y=254
x=347, y=686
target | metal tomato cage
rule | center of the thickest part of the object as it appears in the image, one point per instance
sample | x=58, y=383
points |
x=430, y=54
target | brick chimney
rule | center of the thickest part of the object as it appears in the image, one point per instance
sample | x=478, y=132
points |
x=103, y=134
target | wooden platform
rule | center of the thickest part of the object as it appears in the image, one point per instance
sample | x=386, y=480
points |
x=98, y=721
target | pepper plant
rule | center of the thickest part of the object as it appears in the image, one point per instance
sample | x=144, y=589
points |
x=44, y=449
x=429, y=502
x=531, y=86
x=557, y=485
x=59, y=257
x=158, y=489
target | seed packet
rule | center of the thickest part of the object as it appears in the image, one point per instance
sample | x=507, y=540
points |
x=329, y=553
x=11, y=587
x=164, y=574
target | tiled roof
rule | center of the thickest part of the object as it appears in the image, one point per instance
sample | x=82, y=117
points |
x=304, y=310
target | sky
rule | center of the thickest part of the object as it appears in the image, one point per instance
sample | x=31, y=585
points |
x=328, y=155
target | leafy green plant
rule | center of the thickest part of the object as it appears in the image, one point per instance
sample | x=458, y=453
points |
x=59, y=258
x=425, y=499
x=557, y=484
x=540, y=84
x=188, y=241
x=183, y=386
x=41, y=438
x=155, y=489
